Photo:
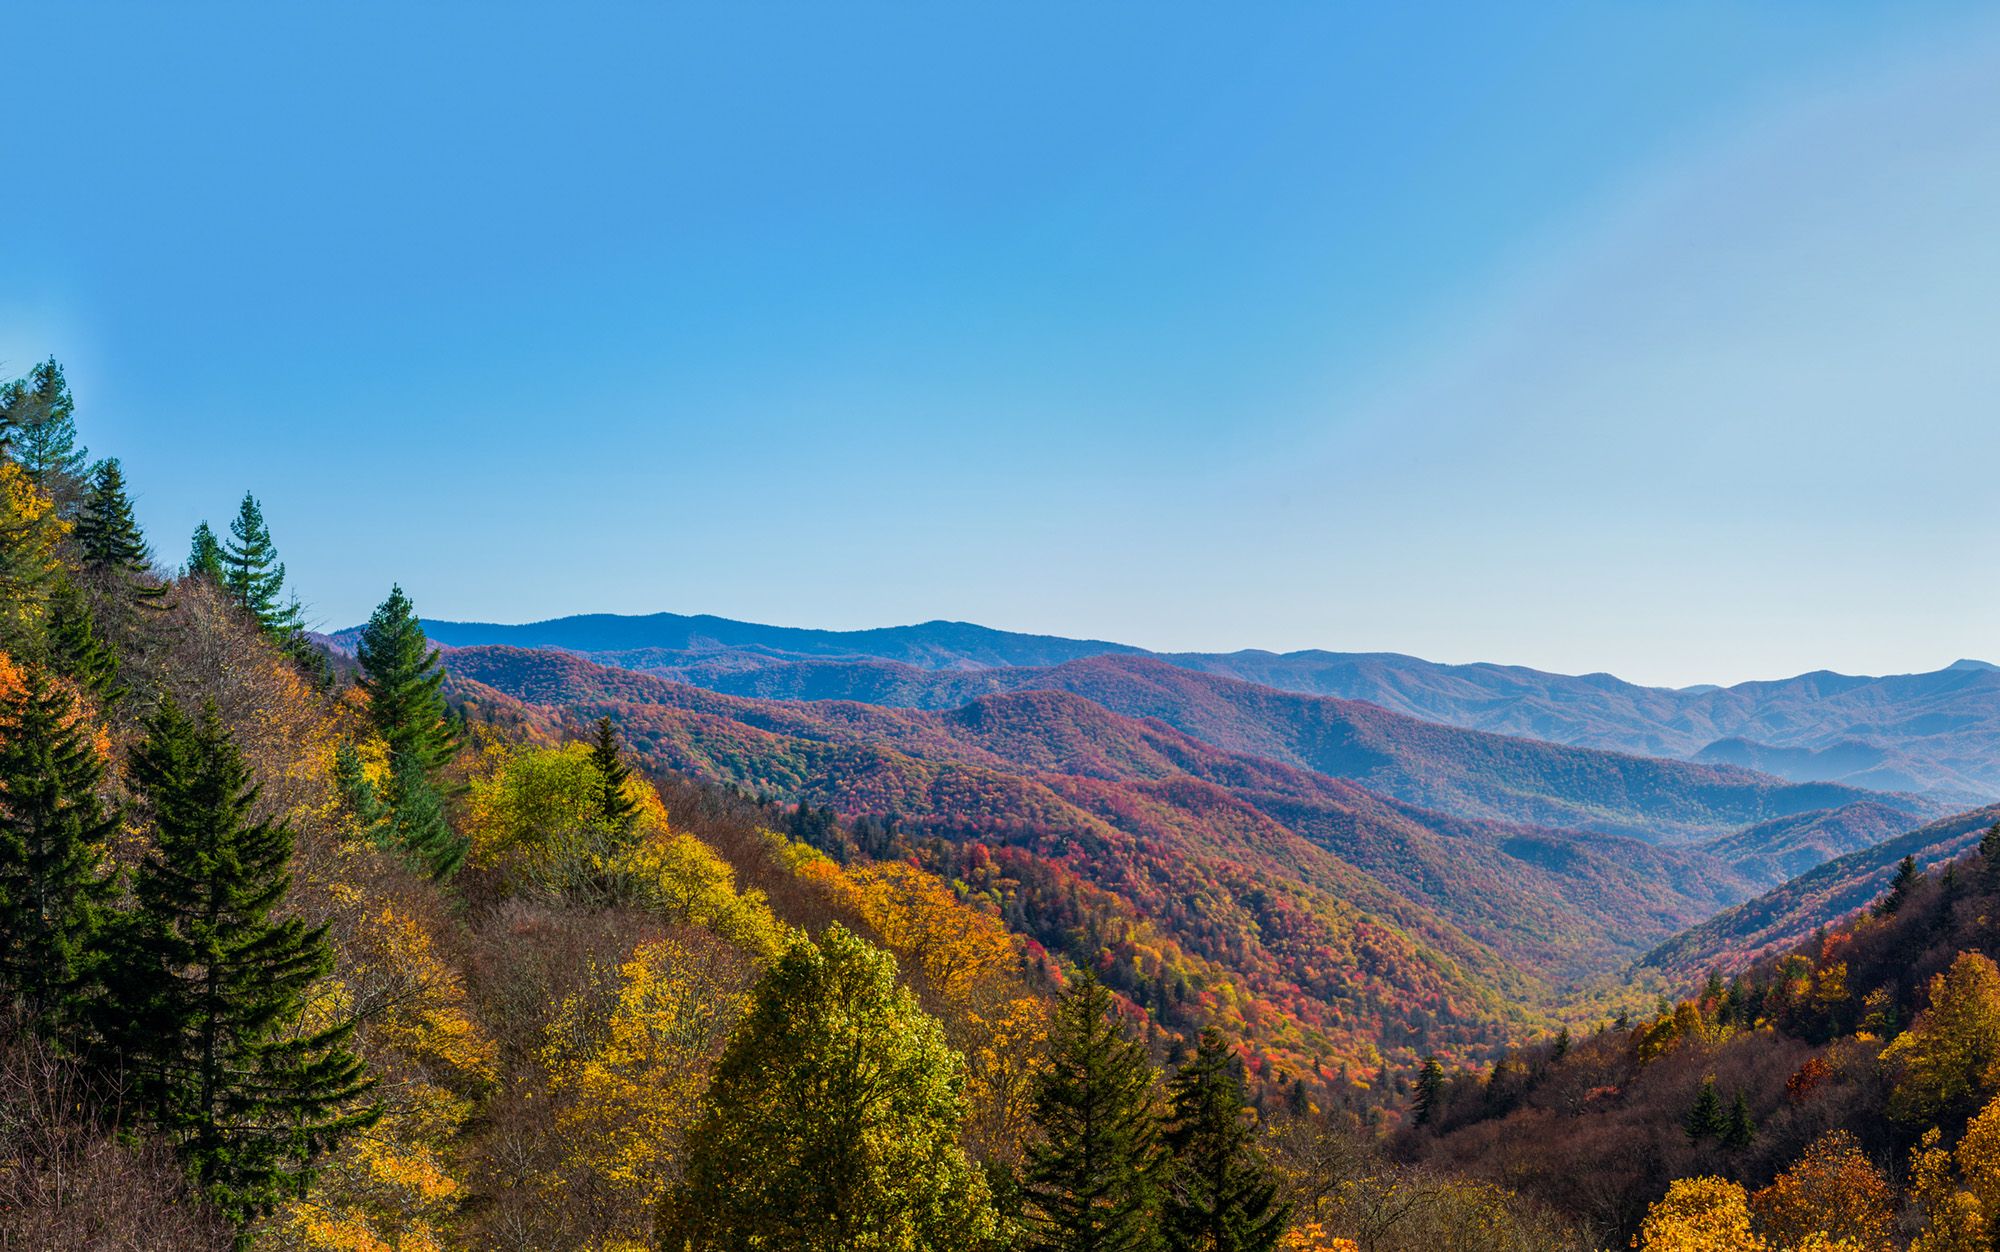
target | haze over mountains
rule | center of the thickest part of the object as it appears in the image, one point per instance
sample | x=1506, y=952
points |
x=1936, y=732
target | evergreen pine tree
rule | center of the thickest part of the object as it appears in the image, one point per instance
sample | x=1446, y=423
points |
x=617, y=809
x=400, y=673
x=832, y=1122
x=357, y=792
x=252, y=574
x=38, y=424
x=205, y=556
x=1220, y=1195
x=1705, y=1120
x=1738, y=1130
x=106, y=529
x=75, y=649
x=211, y=980
x=1899, y=887
x=1430, y=1086
x=54, y=884
x=417, y=825
x=1092, y=1181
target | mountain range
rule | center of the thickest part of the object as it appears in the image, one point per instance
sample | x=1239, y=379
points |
x=1935, y=732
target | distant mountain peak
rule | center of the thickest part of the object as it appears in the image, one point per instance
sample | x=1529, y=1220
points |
x=1965, y=663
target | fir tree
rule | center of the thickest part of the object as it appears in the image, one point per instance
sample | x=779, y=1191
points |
x=1091, y=1183
x=1562, y=1045
x=351, y=781
x=1899, y=887
x=54, y=884
x=1220, y=1195
x=618, y=810
x=400, y=673
x=106, y=529
x=252, y=574
x=417, y=824
x=205, y=556
x=211, y=982
x=832, y=1122
x=38, y=424
x=75, y=649
x=1705, y=1120
x=1738, y=1130
x=1430, y=1087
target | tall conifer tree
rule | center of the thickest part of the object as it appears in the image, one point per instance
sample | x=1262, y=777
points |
x=106, y=529
x=75, y=647
x=617, y=809
x=38, y=423
x=400, y=673
x=211, y=980
x=1092, y=1182
x=253, y=575
x=205, y=555
x=54, y=884
x=1220, y=1195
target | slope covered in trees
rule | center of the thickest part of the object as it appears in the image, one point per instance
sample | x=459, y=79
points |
x=1910, y=732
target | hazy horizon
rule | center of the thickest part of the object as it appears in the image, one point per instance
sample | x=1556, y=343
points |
x=1592, y=339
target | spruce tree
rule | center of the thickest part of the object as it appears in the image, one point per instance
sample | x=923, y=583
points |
x=1430, y=1088
x=38, y=424
x=832, y=1123
x=1738, y=1130
x=54, y=884
x=205, y=556
x=211, y=981
x=1899, y=887
x=417, y=824
x=106, y=529
x=1092, y=1180
x=252, y=574
x=74, y=646
x=400, y=673
x=1220, y=1195
x=1705, y=1120
x=618, y=810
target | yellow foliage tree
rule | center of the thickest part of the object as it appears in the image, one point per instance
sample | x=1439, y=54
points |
x=1700, y=1215
x=1832, y=1190
x=1949, y=1058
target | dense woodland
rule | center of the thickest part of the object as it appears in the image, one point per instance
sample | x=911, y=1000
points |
x=305, y=950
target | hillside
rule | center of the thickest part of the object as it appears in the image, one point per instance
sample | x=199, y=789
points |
x=1937, y=731
x=1785, y=916
x=1044, y=766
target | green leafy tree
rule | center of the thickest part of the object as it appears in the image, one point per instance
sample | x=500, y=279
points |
x=38, y=422
x=106, y=529
x=617, y=809
x=1220, y=1194
x=832, y=1121
x=253, y=575
x=400, y=673
x=1092, y=1179
x=54, y=884
x=205, y=558
x=1705, y=1120
x=212, y=982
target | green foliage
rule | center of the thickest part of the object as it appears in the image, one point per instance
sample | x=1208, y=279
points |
x=417, y=825
x=205, y=556
x=1092, y=1180
x=1705, y=1119
x=1948, y=1062
x=38, y=423
x=74, y=646
x=54, y=883
x=400, y=673
x=617, y=809
x=1220, y=1195
x=212, y=986
x=252, y=574
x=1740, y=1129
x=1430, y=1084
x=832, y=1122
x=106, y=529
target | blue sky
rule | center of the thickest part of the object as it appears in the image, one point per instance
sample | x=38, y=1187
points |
x=1658, y=339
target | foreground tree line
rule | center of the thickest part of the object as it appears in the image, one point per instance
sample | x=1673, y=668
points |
x=298, y=952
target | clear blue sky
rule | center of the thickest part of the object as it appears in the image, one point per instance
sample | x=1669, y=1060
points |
x=1656, y=338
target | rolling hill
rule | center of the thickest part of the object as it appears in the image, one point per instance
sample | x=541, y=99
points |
x=1937, y=732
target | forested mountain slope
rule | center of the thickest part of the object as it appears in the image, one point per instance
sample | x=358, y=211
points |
x=1049, y=770
x=1937, y=731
